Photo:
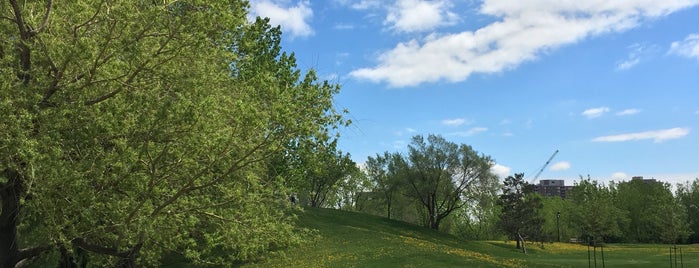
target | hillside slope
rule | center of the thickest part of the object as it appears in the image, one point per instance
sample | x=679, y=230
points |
x=349, y=239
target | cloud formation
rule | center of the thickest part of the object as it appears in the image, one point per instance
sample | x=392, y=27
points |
x=454, y=122
x=619, y=176
x=522, y=32
x=689, y=47
x=419, y=15
x=293, y=19
x=628, y=112
x=500, y=170
x=636, y=54
x=560, y=166
x=655, y=135
x=472, y=131
x=595, y=112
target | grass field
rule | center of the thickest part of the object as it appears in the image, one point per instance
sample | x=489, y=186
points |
x=349, y=239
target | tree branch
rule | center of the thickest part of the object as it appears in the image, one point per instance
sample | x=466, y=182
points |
x=22, y=48
x=49, y=5
x=32, y=252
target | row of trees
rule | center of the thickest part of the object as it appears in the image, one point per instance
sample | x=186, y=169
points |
x=633, y=211
x=132, y=130
x=446, y=186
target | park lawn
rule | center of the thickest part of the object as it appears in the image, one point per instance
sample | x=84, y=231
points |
x=349, y=239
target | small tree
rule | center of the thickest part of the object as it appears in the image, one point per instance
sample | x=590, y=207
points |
x=320, y=167
x=520, y=217
x=387, y=174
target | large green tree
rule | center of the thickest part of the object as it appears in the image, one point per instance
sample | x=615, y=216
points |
x=130, y=129
x=654, y=214
x=688, y=195
x=595, y=213
x=441, y=174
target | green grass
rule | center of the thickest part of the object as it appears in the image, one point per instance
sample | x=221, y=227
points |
x=348, y=239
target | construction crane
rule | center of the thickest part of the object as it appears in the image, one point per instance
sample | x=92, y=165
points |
x=544, y=167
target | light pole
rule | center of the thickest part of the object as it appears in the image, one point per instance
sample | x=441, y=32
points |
x=558, y=228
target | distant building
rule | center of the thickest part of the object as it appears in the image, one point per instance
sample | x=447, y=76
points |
x=646, y=181
x=551, y=188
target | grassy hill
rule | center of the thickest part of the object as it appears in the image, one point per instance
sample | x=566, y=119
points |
x=348, y=239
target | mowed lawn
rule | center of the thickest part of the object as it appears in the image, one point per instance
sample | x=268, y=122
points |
x=348, y=239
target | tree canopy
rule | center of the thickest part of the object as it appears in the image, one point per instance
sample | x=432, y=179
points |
x=134, y=129
x=520, y=218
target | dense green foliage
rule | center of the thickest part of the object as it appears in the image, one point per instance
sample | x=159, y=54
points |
x=521, y=218
x=437, y=177
x=415, y=189
x=135, y=129
x=635, y=211
x=688, y=195
x=654, y=214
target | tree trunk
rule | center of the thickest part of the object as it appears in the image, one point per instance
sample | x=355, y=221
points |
x=388, y=208
x=66, y=261
x=524, y=247
x=434, y=222
x=10, y=193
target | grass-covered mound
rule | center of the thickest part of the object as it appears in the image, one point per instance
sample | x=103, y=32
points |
x=348, y=239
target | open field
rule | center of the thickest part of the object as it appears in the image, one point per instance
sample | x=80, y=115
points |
x=349, y=239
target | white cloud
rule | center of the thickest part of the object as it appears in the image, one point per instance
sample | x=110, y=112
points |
x=637, y=53
x=595, y=112
x=689, y=47
x=500, y=170
x=366, y=4
x=293, y=20
x=344, y=26
x=628, y=112
x=419, y=15
x=628, y=63
x=407, y=130
x=618, y=176
x=523, y=31
x=470, y=132
x=655, y=135
x=560, y=166
x=454, y=122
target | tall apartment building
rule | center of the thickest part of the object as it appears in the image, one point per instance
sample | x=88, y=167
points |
x=551, y=188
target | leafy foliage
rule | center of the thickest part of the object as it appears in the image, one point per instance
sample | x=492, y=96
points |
x=138, y=128
x=387, y=172
x=595, y=212
x=520, y=218
x=654, y=214
x=441, y=174
x=688, y=195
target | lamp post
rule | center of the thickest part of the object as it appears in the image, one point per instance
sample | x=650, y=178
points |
x=558, y=228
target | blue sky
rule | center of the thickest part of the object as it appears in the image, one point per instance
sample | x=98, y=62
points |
x=612, y=85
